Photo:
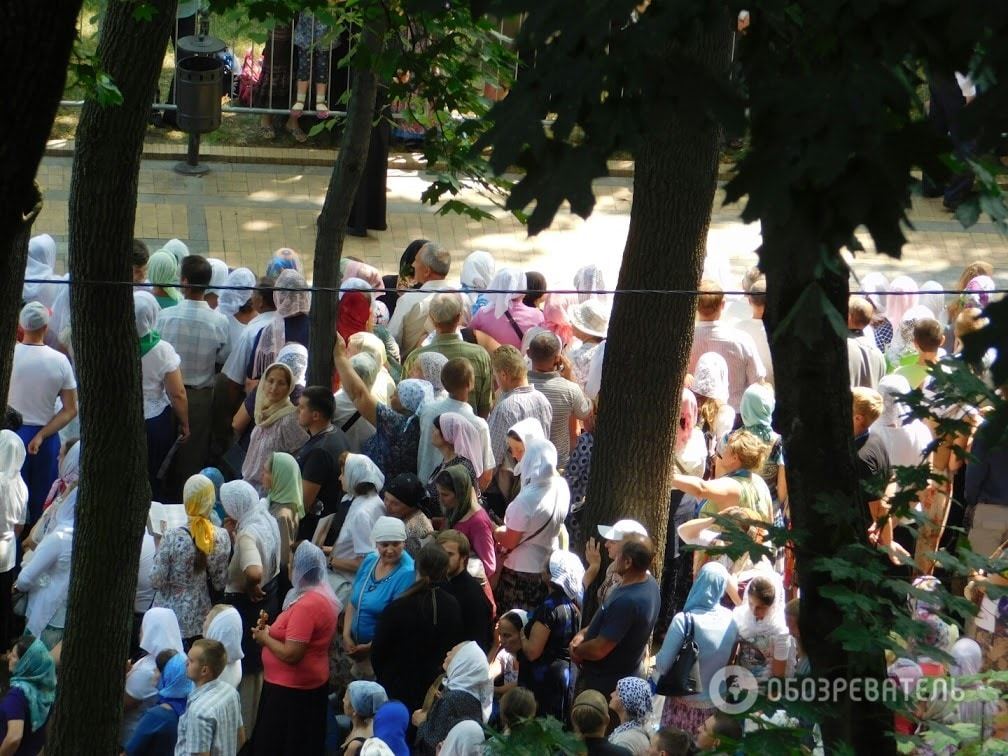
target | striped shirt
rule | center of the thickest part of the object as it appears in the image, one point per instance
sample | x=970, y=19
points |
x=211, y=721
x=511, y=407
x=744, y=364
x=200, y=335
x=566, y=398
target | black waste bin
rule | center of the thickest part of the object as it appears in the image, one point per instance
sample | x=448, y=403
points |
x=198, y=93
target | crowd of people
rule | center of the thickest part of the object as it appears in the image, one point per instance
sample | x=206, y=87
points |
x=382, y=564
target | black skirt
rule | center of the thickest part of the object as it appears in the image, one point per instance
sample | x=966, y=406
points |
x=249, y=611
x=291, y=721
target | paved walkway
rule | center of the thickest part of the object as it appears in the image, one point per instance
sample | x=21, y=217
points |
x=241, y=212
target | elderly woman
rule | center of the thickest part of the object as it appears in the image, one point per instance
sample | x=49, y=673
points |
x=27, y=702
x=14, y=510
x=361, y=702
x=162, y=388
x=477, y=273
x=459, y=443
x=192, y=560
x=159, y=632
x=224, y=625
x=632, y=703
x=163, y=272
x=406, y=498
x=394, y=445
x=345, y=415
x=427, y=367
x=290, y=322
x=277, y=428
x=292, y=712
x=466, y=694
x=532, y=527
x=432, y=620
x=506, y=318
x=368, y=343
x=383, y=576
x=464, y=514
x=544, y=666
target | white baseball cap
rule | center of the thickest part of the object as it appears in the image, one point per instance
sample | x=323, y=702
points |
x=620, y=529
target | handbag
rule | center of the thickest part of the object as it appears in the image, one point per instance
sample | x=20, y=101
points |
x=683, y=677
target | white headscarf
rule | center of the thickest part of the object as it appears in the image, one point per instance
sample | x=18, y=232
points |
x=464, y=739
x=589, y=279
x=567, y=572
x=710, y=377
x=309, y=574
x=177, y=249
x=41, y=267
x=356, y=284
x=227, y=628
x=774, y=623
x=145, y=310
x=291, y=298
x=469, y=673
x=506, y=280
x=902, y=342
x=927, y=297
x=218, y=276
x=242, y=504
x=358, y=469
x=13, y=491
x=229, y=301
x=294, y=356
x=159, y=631
x=538, y=463
x=478, y=270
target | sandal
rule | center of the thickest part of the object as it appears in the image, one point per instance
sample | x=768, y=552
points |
x=322, y=109
x=267, y=132
x=295, y=131
x=298, y=107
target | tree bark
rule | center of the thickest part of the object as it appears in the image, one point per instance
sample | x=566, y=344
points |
x=332, y=220
x=675, y=174
x=114, y=494
x=37, y=48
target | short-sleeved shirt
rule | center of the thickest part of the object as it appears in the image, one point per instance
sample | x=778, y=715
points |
x=370, y=596
x=242, y=350
x=319, y=463
x=872, y=465
x=311, y=620
x=155, y=733
x=501, y=329
x=560, y=614
x=13, y=707
x=355, y=536
x=512, y=406
x=211, y=720
x=393, y=447
x=154, y=366
x=566, y=398
x=627, y=618
x=38, y=375
x=199, y=335
x=542, y=502
x=452, y=345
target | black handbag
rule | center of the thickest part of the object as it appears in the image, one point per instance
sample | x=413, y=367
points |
x=683, y=677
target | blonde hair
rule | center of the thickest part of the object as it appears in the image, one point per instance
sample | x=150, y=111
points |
x=509, y=361
x=749, y=448
x=867, y=403
x=711, y=297
x=969, y=320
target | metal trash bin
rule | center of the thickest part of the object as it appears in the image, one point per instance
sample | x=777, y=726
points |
x=198, y=94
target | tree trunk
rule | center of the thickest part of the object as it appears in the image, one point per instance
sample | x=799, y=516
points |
x=813, y=414
x=37, y=48
x=114, y=494
x=674, y=181
x=332, y=221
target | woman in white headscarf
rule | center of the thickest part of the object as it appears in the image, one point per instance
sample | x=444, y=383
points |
x=930, y=298
x=505, y=318
x=159, y=632
x=364, y=342
x=477, y=273
x=533, y=525
x=764, y=640
x=345, y=415
x=40, y=269
x=467, y=694
x=464, y=739
x=236, y=303
x=587, y=280
x=218, y=278
x=177, y=249
x=715, y=417
x=901, y=295
x=224, y=624
x=14, y=509
x=968, y=662
x=290, y=321
x=902, y=351
x=905, y=439
x=362, y=481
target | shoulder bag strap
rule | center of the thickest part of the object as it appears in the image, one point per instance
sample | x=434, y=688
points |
x=349, y=423
x=541, y=527
x=514, y=325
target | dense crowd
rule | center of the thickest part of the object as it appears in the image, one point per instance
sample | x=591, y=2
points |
x=382, y=564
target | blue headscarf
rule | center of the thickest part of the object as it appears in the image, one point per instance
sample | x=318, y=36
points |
x=708, y=588
x=390, y=725
x=35, y=676
x=217, y=478
x=174, y=687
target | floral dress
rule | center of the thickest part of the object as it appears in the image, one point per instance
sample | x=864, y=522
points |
x=393, y=447
x=179, y=586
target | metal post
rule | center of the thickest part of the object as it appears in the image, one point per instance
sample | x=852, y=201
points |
x=192, y=166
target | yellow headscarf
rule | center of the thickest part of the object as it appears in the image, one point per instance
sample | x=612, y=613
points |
x=199, y=496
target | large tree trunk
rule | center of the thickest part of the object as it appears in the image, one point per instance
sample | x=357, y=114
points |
x=650, y=335
x=332, y=220
x=114, y=494
x=37, y=48
x=814, y=415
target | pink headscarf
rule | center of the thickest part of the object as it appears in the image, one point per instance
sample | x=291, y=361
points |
x=369, y=273
x=900, y=297
x=687, y=419
x=978, y=290
x=555, y=316
x=463, y=437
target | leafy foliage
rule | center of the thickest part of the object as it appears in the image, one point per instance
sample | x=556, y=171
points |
x=533, y=737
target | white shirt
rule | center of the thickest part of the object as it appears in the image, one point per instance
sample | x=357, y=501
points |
x=355, y=536
x=236, y=330
x=360, y=431
x=13, y=511
x=744, y=364
x=407, y=324
x=241, y=353
x=537, y=503
x=757, y=332
x=38, y=376
x=428, y=457
x=155, y=365
x=199, y=335
x=46, y=580
x=145, y=591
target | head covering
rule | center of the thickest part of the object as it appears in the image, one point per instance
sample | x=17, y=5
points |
x=430, y=364
x=295, y=356
x=892, y=387
x=358, y=469
x=566, y=572
x=217, y=478
x=388, y=530
x=708, y=588
x=589, y=279
x=174, y=686
x=591, y=317
x=978, y=291
x=33, y=316
x=635, y=695
x=408, y=489
x=900, y=297
x=366, y=697
x=356, y=269
x=902, y=343
x=228, y=629
x=199, y=496
x=462, y=487
x=40, y=267
x=242, y=504
x=159, y=630
x=773, y=623
x=620, y=529
x=354, y=313
x=934, y=302
x=528, y=429
x=463, y=437
x=478, y=270
x=469, y=672
x=13, y=491
x=539, y=462
x=291, y=298
x=366, y=368
x=509, y=285
x=757, y=408
x=413, y=392
x=309, y=574
x=926, y=610
x=229, y=301
x=145, y=312
x=687, y=419
x=375, y=746
x=177, y=249
x=35, y=676
x=523, y=617
x=163, y=272
x=283, y=259
x=463, y=739
x=380, y=312
x=366, y=341
x=69, y=475
x=555, y=316
x=218, y=275
x=710, y=377
x=390, y=724
x=286, y=488
x=266, y=413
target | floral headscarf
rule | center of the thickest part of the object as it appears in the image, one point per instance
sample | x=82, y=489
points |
x=567, y=572
x=710, y=377
x=635, y=695
x=413, y=392
x=463, y=437
x=587, y=280
x=295, y=356
x=430, y=364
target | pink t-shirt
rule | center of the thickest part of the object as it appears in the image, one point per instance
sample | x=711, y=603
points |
x=500, y=329
x=311, y=619
x=479, y=530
